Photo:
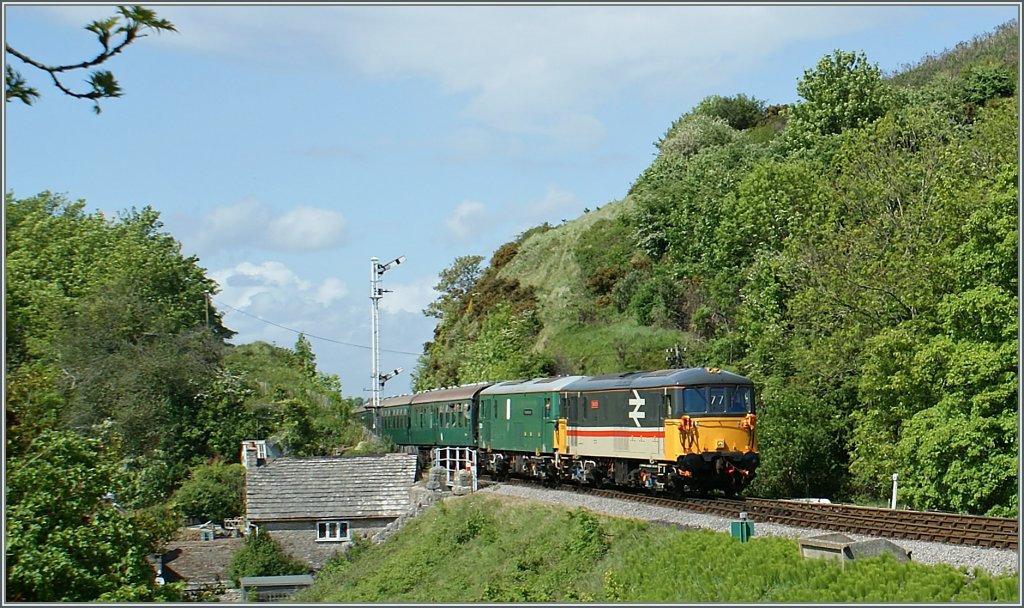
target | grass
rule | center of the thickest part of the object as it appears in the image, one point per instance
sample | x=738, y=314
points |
x=491, y=549
x=546, y=262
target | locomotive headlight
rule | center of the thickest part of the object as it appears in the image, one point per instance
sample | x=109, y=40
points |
x=721, y=444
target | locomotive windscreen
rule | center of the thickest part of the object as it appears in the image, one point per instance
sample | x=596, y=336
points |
x=716, y=399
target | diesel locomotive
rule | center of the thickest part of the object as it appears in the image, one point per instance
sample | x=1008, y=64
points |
x=681, y=430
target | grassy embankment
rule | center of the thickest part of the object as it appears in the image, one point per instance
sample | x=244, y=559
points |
x=490, y=549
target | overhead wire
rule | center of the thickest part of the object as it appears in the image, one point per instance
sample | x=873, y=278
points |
x=309, y=335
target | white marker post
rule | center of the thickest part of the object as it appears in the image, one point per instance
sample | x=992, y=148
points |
x=894, y=477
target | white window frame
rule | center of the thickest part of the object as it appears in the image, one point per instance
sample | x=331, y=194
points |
x=332, y=531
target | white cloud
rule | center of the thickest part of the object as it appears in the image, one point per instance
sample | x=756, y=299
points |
x=251, y=223
x=246, y=281
x=307, y=229
x=555, y=202
x=409, y=297
x=330, y=291
x=522, y=69
x=467, y=219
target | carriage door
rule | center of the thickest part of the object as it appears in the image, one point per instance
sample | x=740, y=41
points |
x=573, y=415
x=549, y=424
x=486, y=406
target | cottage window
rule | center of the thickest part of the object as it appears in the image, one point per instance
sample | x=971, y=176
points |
x=332, y=530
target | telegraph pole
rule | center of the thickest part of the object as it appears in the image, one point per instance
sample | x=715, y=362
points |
x=376, y=293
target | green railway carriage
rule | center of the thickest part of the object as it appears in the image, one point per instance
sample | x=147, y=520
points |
x=395, y=416
x=445, y=417
x=365, y=416
x=519, y=422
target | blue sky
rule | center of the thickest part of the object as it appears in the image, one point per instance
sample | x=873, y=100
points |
x=287, y=145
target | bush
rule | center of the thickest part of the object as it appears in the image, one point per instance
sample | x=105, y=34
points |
x=694, y=133
x=263, y=556
x=740, y=111
x=213, y=492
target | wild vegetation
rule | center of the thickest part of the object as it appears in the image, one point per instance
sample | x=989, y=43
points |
x=125, y=405
x=854, y=253
x=482, y=549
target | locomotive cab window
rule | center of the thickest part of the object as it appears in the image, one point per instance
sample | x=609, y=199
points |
x=695, y=400
x=716, y=405
x=741, y=400
x=717, y=400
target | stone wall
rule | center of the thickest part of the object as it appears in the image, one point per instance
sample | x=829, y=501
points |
x=298, y=539
x=422, y=496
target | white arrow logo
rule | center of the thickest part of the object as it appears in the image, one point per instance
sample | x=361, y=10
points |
x=637, y=402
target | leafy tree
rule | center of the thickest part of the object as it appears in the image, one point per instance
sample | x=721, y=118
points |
x=123, y=361
x=801, y=437
x=57, y=254
x=263, y=392
x=441, y=359
x=842, y=92
x=503, y=348
x=112, y=36
x=106, y=320
x=263, y=556
x=739, y=111
x=304, y=355
x=66, y=542
x=695, y=132
x=454, y=286
x=213, y=492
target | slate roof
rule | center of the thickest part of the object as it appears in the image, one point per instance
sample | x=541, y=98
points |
x=346, y=487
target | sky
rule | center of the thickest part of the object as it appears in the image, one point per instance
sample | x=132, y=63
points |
x=287, y=145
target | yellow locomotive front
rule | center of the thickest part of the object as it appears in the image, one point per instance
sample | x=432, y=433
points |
x=711, y=435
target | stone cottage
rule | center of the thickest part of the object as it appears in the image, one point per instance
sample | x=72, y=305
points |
x=315, y=507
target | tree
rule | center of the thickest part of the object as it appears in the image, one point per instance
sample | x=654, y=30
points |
x=455, y=285
x=213, y=492
x=112, y=36
x=304, y=355
x=740, y=111
x=503, y=347
x=67, y=540
x=842, y=92
x=263, y=556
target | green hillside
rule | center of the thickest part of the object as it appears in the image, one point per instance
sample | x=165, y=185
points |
x=855, y=253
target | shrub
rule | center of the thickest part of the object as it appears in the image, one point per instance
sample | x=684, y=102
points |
x=740, y=111
x=213, y=492
x=263, y=556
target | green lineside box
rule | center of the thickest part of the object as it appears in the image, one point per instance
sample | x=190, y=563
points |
x=742, y=529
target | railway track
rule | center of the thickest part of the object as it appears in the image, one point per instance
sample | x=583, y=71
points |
x=973, y=530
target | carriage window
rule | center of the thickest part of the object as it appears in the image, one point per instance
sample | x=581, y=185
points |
x=695, y=401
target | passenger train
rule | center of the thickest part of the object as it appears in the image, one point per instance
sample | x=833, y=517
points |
x=681, y=430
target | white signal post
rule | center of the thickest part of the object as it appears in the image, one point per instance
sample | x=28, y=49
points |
x=376, y=293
